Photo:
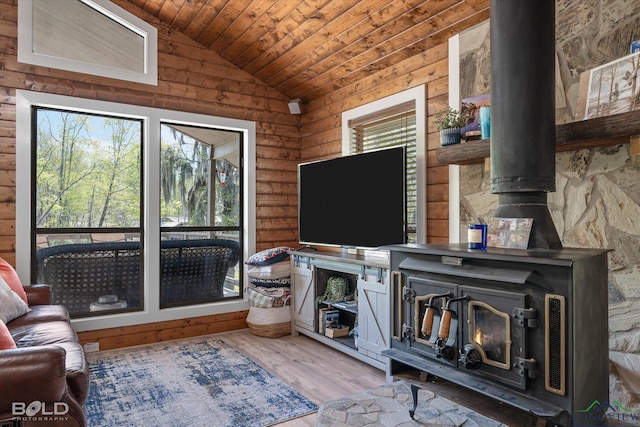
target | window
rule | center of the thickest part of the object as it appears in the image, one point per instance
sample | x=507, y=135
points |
x=87, y=36
x=156, y=185
x=200, y=181
x=394, y=121
x=87, y=189
x=391, y=128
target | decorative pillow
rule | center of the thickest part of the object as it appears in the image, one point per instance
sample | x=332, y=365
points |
x=11, y=305
x=272, y=283
x=8, y=273
x=269, y=256
x=273, y=271
x=6, y=340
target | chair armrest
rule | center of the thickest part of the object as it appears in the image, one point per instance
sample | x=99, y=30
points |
x=38, y=294
x=32, y=373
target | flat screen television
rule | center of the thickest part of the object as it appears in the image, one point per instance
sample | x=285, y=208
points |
x=353, y=201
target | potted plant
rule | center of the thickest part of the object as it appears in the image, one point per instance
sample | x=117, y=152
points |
x=449, y=122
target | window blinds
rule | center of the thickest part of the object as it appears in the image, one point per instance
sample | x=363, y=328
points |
x=390, y=128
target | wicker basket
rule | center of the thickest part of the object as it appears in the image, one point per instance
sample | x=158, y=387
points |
x=269, y=322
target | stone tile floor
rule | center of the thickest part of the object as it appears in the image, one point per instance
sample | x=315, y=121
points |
x=388, y=405
x=440, y=403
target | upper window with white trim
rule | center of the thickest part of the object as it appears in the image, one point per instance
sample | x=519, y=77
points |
x=393, y=122
x=391, y=128
x=87, y=36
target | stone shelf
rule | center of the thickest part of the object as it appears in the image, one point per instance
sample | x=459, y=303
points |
x=598, y=132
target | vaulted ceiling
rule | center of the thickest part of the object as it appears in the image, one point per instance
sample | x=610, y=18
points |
x=308, y=48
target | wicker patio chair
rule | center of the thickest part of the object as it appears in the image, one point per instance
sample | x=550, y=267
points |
x=191, y=271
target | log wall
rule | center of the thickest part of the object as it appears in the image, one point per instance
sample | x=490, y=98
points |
x=194, y=79
x=321, y=135
x=149, y=333
x=190, y=78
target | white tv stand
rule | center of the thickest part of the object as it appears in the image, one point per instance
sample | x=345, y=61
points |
x=370, y=276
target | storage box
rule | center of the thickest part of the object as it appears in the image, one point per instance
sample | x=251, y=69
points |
x=335, y=331
x=327, y=316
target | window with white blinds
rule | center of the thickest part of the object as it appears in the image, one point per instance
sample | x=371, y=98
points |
x=392, y=127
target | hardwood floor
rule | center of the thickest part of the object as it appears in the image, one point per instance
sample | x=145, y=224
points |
x=321, y=373
x=315, y=370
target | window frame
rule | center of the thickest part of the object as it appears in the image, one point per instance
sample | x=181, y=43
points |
x=131, y=22
x=152, y=117
x=417, y=95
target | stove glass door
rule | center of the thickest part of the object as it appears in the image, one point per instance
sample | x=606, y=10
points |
x=492, y=331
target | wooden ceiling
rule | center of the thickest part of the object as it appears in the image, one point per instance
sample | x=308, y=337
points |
x=308, y=48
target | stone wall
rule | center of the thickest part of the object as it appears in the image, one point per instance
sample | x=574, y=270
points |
x=597, y=198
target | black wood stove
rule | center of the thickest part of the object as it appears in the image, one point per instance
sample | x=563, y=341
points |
x=526, y=327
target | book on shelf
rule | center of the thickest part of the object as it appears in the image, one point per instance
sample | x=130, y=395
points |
x=346, y=304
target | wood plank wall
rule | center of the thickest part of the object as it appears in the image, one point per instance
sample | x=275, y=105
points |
x=149, y=333
x=196, y=80
x=321, y=127
x=192, y=79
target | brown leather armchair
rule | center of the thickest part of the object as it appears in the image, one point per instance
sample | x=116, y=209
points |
x=37, y=374
x=45, y=380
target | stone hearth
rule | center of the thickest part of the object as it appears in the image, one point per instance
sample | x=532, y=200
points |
x=388, y=405
x=441, y=403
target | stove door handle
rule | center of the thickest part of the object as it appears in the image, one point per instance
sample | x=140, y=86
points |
x=447, y=312
x=445, y=325
x=427, y=320
x=470, y=357
x=429, y=313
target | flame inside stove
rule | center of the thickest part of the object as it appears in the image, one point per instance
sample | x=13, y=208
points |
x=478, y=336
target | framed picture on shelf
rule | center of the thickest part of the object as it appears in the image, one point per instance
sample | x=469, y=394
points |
x=612, y=88
x=471, y=107
x=511, y=233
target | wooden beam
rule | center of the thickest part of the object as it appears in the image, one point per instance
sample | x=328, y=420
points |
x=597, y=132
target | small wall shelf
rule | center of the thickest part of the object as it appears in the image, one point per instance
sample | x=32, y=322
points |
x=598, y=132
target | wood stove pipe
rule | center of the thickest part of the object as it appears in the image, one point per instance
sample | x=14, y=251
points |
x=523, y=127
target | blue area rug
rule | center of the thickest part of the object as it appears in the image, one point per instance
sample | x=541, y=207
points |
x=195, y=382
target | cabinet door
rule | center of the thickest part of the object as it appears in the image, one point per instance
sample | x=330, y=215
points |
x=373, y=316
x=303, y=295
